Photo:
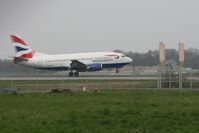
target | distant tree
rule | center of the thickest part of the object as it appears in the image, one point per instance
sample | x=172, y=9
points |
x=192, y=58
x=171, y=54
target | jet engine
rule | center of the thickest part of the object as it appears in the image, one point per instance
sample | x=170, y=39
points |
x=94, y=67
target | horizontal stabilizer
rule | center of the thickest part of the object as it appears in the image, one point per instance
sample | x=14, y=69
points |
x=19, y=59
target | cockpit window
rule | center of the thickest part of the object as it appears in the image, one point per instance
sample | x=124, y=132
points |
x=122, y=55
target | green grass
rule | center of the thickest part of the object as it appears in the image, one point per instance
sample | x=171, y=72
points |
x=123, y=111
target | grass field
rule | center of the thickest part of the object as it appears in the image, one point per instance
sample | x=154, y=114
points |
x=122, y=111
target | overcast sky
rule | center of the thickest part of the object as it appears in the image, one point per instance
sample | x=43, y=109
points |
x=66, y=26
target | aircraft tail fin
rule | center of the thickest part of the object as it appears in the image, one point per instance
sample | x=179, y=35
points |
x=23, y=51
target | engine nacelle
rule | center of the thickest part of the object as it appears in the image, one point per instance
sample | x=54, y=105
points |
x=94, y=67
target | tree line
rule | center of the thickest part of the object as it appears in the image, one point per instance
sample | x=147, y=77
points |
x=8, y=68
x=151, y=58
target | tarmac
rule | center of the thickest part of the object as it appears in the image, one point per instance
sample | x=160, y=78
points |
x=80, y=78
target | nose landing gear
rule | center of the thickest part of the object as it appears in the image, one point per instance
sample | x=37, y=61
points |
x=117, y=70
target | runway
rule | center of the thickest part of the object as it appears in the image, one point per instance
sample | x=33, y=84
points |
x=80, y=78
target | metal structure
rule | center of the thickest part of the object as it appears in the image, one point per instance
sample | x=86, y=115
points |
x=170, y=73
x=181, y=62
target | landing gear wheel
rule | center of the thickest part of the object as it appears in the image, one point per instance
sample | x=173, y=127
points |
x=70, y=74
x=117, y=70
x=76, y=74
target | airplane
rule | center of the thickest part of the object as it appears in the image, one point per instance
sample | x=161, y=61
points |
x=74, y=63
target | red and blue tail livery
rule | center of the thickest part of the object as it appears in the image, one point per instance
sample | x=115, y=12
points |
x=21, y=47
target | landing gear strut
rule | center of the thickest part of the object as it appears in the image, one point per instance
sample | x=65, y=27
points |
x=71, y=74
x=117, y=70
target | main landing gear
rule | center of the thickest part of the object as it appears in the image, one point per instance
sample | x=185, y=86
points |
x=71, y=74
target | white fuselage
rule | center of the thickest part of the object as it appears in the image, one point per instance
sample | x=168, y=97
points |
x=106, y=59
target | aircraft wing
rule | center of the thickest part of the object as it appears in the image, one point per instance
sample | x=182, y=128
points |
x=77, y=65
